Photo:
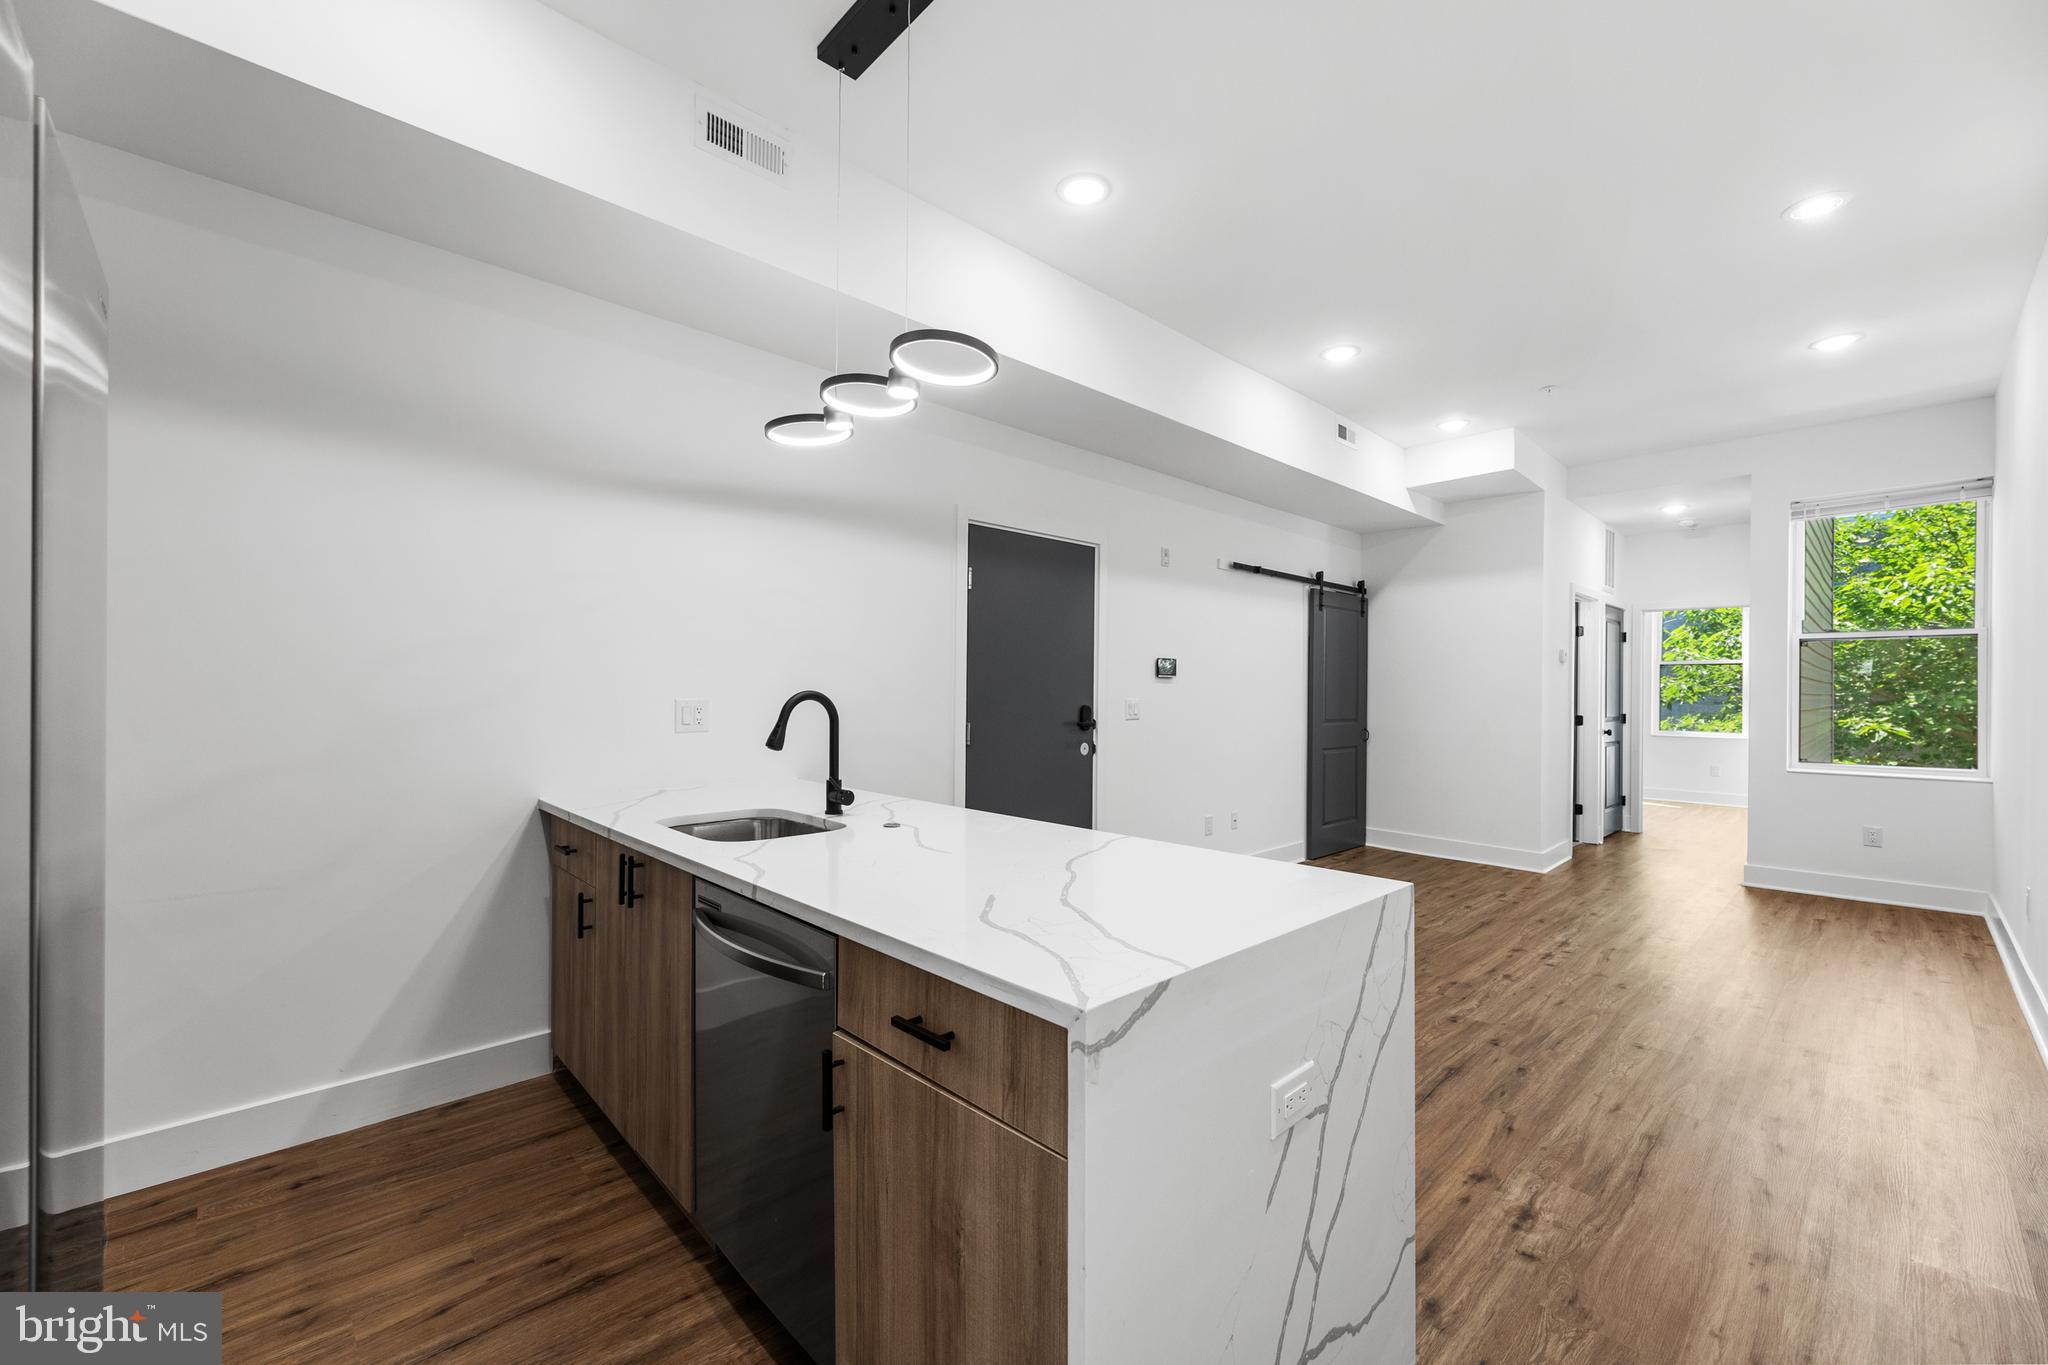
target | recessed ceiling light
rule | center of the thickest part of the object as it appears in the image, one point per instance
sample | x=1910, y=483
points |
x=1688, y=522
x=1841, y=342
x=1084, y=191
x=1453, y=425
x=1672, y=509
x=1816, y=206
x=1342, y=354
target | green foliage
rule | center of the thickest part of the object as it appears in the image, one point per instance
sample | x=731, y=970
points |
x=1703, y=633
x=1702, y=698
x=1907, y=702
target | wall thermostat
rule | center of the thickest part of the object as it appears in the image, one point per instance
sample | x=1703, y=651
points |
x=1165, y=669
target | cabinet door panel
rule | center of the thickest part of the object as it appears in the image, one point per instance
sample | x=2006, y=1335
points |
x=950, y=1229
x=571, y=1015
x=657, y=981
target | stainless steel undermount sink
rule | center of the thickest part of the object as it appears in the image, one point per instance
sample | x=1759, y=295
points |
x=750, y=827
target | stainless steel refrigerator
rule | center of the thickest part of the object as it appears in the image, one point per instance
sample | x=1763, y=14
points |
x=53, y=649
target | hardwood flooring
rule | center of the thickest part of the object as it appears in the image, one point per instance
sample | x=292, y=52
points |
x=1660, y=1118
x=510, y=1227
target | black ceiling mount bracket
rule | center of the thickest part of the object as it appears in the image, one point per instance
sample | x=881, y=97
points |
x=865, y=31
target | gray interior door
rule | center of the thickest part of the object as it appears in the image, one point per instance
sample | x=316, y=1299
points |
x=1613, y=725
x=1031, y=676
x=1336, y=722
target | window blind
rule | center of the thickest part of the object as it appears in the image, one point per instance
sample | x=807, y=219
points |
x=1856, y=505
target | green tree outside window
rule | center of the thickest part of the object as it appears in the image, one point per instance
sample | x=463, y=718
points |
x=1904, y=694
x=1699, y=674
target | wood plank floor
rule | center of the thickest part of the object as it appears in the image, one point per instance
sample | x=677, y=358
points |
x=1664, y=1118
x=1660, y=1119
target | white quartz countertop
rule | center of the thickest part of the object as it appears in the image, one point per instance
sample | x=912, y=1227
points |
x=1055, y=920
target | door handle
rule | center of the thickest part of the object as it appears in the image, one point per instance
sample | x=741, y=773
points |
x=796, y=973
x=566, y=850
x=1607, y=732
x=830, y=1108
x=582, y=900
x=914, y=1026
x=1086, y=720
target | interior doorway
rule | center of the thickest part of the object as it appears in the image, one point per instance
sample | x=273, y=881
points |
x=1337, y=733
x=1031, y=733
x=1603, y=752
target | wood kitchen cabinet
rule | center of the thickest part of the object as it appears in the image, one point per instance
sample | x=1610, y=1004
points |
x=620, y=994
x=950, y=1228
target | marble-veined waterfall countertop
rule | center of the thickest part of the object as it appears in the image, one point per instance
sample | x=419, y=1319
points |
x=1055, y=920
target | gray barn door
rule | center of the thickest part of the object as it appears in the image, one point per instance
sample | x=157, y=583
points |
x=1336, y=722
x=1613, y=726
x=1031, y=676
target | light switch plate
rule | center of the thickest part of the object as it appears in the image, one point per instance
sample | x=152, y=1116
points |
x=1295, y=1096
x=693, y=717
x=1130, y=708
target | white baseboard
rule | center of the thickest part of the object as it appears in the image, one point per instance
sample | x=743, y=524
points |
x=2033, y=1000
x=136, y=1161
x=1912, y=895
x=1285, y=853
x=1697, y=798
x=1462, y=851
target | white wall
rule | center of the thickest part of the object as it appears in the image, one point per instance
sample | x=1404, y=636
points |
x=1707, y=566
x=1805, y=827
x=402, y=542
x=1457, y=686
x=2019, y=608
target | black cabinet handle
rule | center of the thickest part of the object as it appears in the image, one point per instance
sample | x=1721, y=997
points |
x=830, y=1108
x=582, y=927
x=914, y=1026
x=629, y=880
x=566, y=850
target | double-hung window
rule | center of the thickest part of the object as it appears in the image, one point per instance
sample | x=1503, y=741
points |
x=1699, y=671
x=1888, y=612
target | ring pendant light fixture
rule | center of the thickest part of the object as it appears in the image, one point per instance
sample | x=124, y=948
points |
x=918, y=356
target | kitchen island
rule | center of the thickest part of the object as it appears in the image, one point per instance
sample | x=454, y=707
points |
x=1190, y=997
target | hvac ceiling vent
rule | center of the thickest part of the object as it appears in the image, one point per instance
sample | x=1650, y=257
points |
x=1347, y=433
x=730, y=132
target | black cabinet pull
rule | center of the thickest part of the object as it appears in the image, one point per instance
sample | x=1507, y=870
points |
x=914, y=1026
x=629, y=880
x=566, y=850
x=830, y=1108
x=582, y=927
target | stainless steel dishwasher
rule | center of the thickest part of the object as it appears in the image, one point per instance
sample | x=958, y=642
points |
x=766, y=1004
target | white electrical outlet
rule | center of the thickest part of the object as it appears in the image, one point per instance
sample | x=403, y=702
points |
x=1295, y=1096
x=1208, y=825
x=1713, y=770
x=693, y=717
x=1873, y=836
x=1130, y=708
x=1165, y=558
x=1233, y=819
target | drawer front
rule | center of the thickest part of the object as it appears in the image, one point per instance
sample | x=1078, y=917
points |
x=998, y=1058
x=571, y=848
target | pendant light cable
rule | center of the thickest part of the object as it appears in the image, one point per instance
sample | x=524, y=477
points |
x=908, y=16
x=838, y=202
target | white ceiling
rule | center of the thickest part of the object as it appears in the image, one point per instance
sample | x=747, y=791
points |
x=1489, y=196
x=1707, y=502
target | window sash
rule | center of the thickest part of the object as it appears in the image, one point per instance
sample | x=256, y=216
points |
x=1971, y=490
